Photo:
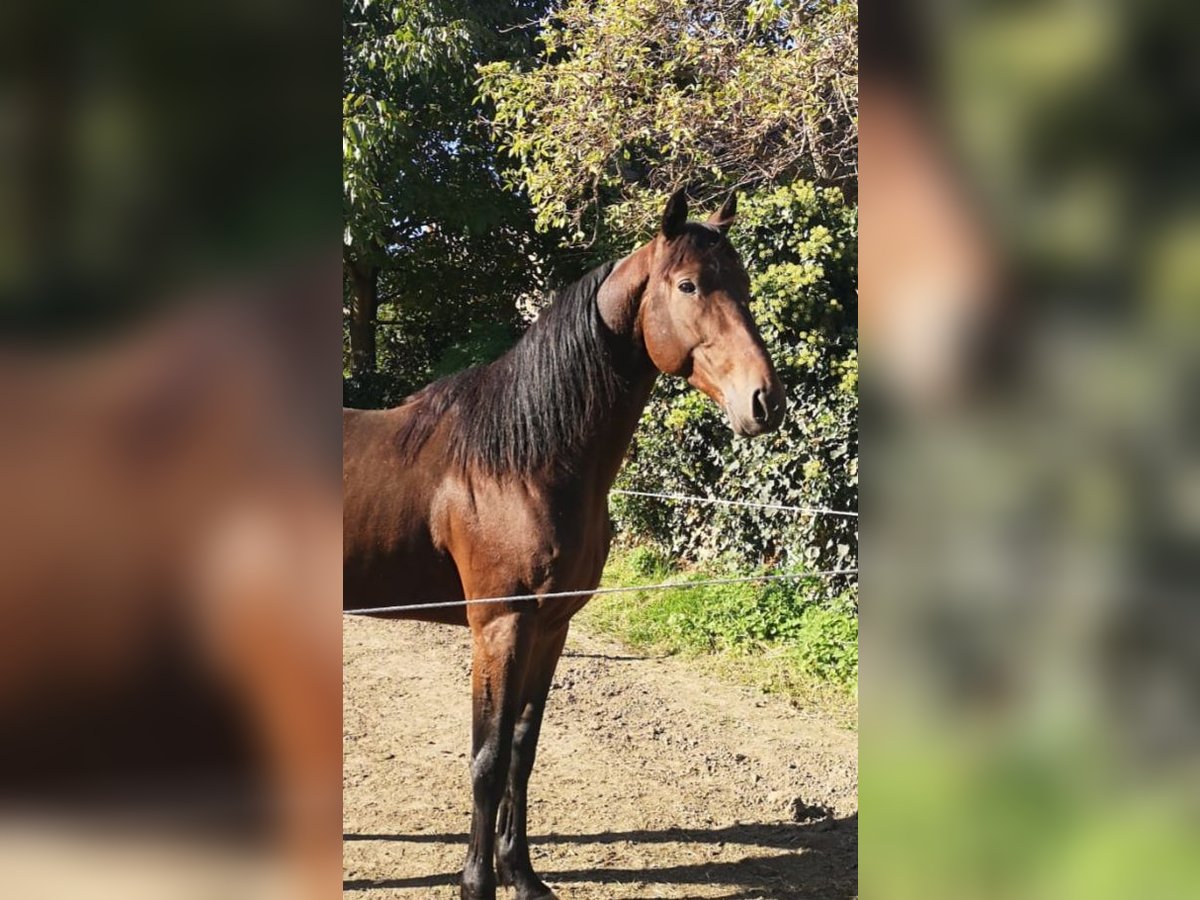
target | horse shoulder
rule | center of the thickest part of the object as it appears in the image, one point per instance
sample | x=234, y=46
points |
x=498, y=526
x=512, y=537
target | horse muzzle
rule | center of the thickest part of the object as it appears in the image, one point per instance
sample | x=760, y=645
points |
x=758, y=410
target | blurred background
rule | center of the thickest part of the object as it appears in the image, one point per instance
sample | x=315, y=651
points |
x=1029, y=287
x=169, y=529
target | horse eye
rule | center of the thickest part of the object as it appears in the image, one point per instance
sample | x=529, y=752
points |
x=687, y=287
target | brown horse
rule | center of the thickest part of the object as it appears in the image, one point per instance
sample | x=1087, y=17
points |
x=495, y=481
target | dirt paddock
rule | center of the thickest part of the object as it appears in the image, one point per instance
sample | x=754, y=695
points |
x=652, y=781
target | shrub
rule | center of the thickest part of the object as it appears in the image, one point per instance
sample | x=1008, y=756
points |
x=803, y=630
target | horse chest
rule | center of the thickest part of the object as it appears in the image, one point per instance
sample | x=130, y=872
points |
x=512, y=539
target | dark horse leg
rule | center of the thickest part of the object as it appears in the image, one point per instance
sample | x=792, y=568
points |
x=512, y=849
x=502, y=646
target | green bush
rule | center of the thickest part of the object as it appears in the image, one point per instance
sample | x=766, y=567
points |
x=812, y=635
x=825, y=645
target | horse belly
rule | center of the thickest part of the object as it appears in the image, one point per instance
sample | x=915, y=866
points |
x=404, y=582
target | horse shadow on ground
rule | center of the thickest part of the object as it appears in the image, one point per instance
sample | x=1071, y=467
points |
x=819, y=861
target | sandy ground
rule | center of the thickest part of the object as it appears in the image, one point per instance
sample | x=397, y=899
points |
x=652, y=781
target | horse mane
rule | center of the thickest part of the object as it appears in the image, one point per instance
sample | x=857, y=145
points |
x=539, y=403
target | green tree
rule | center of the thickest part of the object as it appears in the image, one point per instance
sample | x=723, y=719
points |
x=629, y=100
x=431, y=237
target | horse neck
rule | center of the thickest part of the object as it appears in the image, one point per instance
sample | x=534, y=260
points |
x=619, y=300
x=615, y=432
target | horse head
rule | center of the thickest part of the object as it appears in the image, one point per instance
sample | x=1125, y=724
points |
x=695, y=320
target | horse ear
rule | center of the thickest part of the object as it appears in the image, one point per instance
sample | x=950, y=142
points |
x=723, y=217
x=675, y=216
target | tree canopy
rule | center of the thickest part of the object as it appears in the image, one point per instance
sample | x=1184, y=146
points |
x=427, y=219
x=625, y=101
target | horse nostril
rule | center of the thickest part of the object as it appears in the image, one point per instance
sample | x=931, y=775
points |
x=758, y=406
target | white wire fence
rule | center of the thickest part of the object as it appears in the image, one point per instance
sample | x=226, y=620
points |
x=685, y=498
x=556, y=595
x=661, y=586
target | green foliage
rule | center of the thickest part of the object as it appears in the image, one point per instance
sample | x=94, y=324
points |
x=810, y=635
x=416, y=156
x=826, y=643
x=799, y=244
x=420, y=342
x=628, y=100
x=452, y=252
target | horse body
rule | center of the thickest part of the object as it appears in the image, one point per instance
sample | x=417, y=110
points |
x=494, y=483
x=424, y=540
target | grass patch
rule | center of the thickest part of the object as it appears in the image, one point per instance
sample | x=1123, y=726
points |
x=783, y=637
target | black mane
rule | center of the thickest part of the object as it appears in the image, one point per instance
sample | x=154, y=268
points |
x=537, y=405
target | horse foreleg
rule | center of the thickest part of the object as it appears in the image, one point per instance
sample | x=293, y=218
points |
x=502, y=645
x=512, y=849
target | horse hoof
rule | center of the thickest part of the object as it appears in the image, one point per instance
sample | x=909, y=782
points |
x=528, y=887
x=537, y=891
